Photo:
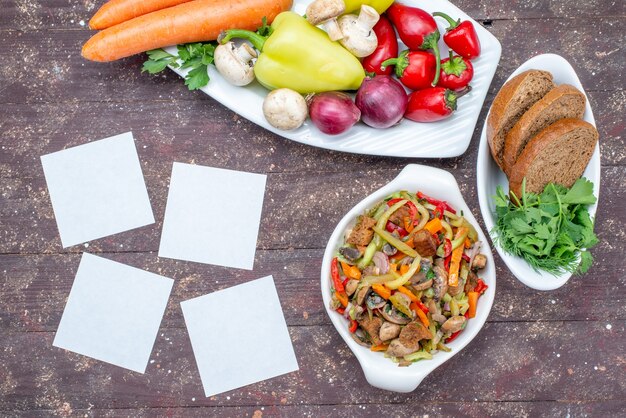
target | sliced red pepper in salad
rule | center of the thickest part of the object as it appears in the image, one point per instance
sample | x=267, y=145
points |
x=334, y=272
x=353, y=326
x=480, y=286
x=436, y=202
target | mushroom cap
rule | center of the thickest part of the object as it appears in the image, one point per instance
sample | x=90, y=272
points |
x=234, y=63
x=357, y=39
x=391, y=314
x=322, y=10
x=397, y=349
x=285, y=109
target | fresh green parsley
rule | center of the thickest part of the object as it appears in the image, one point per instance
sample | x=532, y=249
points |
x=552, y=231
x=196, y=57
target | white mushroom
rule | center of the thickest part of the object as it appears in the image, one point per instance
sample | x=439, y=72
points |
x=325, y=13
x=285, y=109
x=235, y=63
x=358, y=36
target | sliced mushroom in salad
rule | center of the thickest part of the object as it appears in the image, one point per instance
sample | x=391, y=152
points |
x=406, y=277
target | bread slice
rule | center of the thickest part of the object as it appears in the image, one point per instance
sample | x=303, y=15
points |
x=558, y=154
x=561, y=102
x=514, y=98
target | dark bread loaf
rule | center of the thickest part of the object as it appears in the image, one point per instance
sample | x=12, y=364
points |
x=561, y=102
x=558, y=154
x=513, y=99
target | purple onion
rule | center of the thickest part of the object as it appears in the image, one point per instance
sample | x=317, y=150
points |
x=333, y=112
x=382, y=101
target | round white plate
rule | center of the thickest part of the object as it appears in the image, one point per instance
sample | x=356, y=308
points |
x=448, y=138
x=489, y=175
x=379, y=371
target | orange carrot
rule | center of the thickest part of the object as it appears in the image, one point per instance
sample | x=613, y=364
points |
x=382, y=291
x=352, y=272
x=455, y=263
x=404, y=269
x=420, y=314
x=433, y=226
x=397, y=256
x=408, y=225
x=342, y=297
x=379, y=347
x=194, y=21
x=117, y=11
x=472, y=298
x=408, y=293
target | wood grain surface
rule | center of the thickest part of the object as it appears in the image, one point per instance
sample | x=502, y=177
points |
x=559, y=353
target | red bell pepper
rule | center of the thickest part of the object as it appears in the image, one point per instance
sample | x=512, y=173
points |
x=446, y=263
x=341, y=310
x=420, y=305
x=480, y=286
x=461, y=37
x=393, y=227
x=345, y=282
x=465, y=257
x=387, y=48
x=456, y=73
x=453, y=336
x=415, y=69
x=417, y=29
x=353, y=326
x=436, y=202
x=432, y=104
x=334, y=272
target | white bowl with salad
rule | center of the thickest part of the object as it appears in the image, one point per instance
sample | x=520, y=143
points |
x=408, y=278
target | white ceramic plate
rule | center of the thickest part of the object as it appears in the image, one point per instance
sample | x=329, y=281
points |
x=489, y=175
x=449, y=138
x=379, y=371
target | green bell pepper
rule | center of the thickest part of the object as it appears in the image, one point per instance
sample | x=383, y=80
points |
x=379, y=5
x=301, y=57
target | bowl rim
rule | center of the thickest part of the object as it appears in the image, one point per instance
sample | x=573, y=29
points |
x=380, y=371
x=485, y=166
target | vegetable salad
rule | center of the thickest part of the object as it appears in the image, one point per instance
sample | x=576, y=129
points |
x=406, y=277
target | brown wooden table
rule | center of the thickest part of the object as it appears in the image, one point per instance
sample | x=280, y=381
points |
x=559, y=353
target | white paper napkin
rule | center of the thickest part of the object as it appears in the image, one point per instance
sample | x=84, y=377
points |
x=97, y=189
x=239, y=336
x=212, y=216
x=113, y=312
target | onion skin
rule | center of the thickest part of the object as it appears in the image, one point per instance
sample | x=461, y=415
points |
x=382, y=101
x=333, y=112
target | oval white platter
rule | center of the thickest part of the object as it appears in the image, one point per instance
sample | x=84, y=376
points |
x=380, y=371
x=448, y=138
x=489, y=175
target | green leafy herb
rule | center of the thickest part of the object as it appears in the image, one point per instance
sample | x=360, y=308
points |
x=196, y=57
x=552, y=231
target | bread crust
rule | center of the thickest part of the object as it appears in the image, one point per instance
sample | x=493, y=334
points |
x=513, y=143
x=537, y=145
x=495, y=120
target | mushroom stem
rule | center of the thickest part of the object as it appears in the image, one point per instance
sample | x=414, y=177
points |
x=332, y=28
x=358, y=36
x=368, y=17
x=245, y=53
x=325, y=13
